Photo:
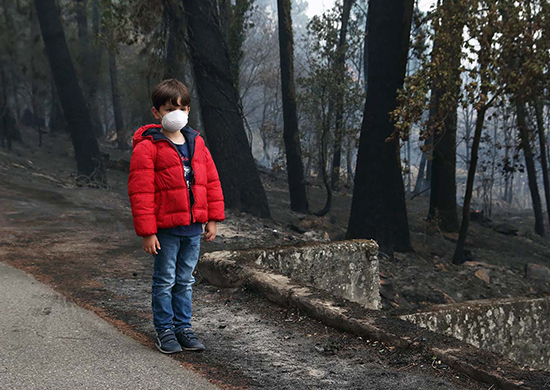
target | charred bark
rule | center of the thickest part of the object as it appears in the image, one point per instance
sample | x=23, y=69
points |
x=223, y=122
x=443, y=115
x=530, y=166
x=88, y=158
x=291, y=135
x=89, y=58
x=420, y=177
x=177, y=63
x=378, y=209
x=543, y=155
x=459, y=257
x=340, y=73
x=117, y=108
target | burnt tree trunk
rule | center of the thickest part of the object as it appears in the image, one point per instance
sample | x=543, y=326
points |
x=3, y=110
x=39, y=79
x=177, y=58
x=340, y=71
x=543, y=155
x=366, y=54
x=89, y=58
x=530, y=165
x=507, y=166
x=117, y=108
x=174, y=48
x=236, y=34
x=222, y=118
x=458, y=257
x=443, y=116
x=291, y=135
x=88, y=158
x=326, y=114
x=420, y=177
x=378, y=209
x=409, y=175
x=429, y=165
x=482, y=105
x=11, y=83
x=349, y=165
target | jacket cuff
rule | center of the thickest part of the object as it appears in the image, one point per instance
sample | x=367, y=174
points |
x=145, y=225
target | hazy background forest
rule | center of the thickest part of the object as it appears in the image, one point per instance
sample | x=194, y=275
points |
x=426, y=115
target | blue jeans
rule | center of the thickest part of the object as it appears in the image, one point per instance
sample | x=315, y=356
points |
x=173, y=280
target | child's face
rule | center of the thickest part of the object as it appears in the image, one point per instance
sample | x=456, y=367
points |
x=169, y=107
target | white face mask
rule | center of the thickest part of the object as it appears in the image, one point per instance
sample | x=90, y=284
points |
x=174, y=121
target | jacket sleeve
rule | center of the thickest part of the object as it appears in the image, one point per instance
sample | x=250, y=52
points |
x=141, y=189
x=214, y=193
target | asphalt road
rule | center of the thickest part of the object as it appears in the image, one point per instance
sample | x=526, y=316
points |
x=47, y=342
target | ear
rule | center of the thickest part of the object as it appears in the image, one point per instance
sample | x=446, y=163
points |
x=155, y=112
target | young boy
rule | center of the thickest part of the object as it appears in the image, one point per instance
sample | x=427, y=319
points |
x=173, y=187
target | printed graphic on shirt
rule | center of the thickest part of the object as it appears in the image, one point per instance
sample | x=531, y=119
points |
x=188, y=172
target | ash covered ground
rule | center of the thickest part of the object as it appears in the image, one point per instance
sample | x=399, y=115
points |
x=81, y=241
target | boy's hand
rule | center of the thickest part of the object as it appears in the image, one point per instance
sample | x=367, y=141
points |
x=210, y=231
x=151, y=244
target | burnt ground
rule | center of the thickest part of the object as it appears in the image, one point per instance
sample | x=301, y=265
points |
x=80, y=240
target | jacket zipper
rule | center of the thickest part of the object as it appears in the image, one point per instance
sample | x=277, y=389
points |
x=191, y=215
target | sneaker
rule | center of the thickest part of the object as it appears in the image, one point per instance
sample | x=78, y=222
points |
x=188, y=340
x=167, y=342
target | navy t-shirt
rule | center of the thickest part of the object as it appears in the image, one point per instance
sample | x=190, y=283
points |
x=194, y=228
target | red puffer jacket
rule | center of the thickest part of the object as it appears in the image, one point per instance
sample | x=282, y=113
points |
x=156, y=185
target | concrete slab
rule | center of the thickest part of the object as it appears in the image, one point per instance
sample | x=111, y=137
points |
x=47, y=342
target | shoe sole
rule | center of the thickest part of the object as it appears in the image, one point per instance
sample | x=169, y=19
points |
x=193, y=349
x=166, y=352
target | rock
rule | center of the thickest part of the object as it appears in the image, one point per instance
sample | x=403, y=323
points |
x=314, y=235
x=537, y=271
x=453, y=237
x=297, y=229
x=483, y=265
x=483, y=274
x=506, y=229
x=310, y=235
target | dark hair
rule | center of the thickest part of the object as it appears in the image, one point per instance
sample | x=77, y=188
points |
x=170, y=90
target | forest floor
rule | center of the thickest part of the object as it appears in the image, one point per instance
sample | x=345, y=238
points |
x=80, y=240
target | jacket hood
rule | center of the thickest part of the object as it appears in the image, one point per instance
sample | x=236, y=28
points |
x=152, y=132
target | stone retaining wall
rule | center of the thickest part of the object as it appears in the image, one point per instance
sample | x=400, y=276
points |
x=518, y=328
x=348, y=269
